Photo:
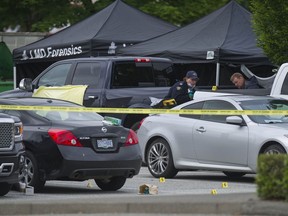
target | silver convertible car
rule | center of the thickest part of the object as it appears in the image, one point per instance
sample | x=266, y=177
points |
x=228, y=143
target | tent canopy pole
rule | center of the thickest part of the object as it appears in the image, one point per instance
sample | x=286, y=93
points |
x=217, y=73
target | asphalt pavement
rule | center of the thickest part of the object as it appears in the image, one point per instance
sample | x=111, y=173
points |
x=219, y=204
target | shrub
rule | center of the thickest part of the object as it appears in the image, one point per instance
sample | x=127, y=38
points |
x=272, y=176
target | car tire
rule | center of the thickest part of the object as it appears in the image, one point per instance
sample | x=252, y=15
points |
x=234, y=174
x=111, y=184
x=4, y=188
x=33, y=176
x=274, y=149
x=159, y=159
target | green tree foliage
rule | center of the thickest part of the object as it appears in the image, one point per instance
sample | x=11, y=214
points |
x=270, y=23
x=182, y=12
x=6, y=63
x=42, y=15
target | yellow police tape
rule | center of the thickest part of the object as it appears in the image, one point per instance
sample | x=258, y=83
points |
x=146, y=111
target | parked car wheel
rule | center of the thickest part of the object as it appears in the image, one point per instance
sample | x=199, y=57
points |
x=234, y=174
x=33, y=178
x=112, y=184
x=159, y=159
x=4, y=188
x=274, y=149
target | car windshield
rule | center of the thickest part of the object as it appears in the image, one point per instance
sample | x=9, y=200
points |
x=69, y=116
x=268, y=104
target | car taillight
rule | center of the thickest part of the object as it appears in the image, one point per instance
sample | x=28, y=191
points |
x=132, y=138
x=64, y=137
x=142, y=60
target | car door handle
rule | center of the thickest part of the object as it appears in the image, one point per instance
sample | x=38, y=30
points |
x=201, y=129
x=92, y=97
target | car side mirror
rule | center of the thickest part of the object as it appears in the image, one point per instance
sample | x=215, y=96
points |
x=236, y=120
x=26, y=84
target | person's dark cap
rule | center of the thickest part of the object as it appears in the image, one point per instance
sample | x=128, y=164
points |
x=192, y=75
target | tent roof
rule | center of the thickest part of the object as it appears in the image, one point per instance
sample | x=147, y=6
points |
x=227, y=31
x=118, y=22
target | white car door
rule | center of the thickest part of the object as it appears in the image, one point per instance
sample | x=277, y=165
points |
x=217, y=142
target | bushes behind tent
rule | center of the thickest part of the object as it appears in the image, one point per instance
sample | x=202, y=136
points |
x=6, y=85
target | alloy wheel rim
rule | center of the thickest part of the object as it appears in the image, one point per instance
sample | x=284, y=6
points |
x=30, y=171
x=272, y=151
x=158, y=158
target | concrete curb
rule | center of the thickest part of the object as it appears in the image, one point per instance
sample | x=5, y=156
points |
x=236, y=204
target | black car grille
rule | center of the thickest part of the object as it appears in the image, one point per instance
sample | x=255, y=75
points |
x=6, y=135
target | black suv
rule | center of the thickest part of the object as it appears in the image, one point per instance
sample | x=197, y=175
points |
x=11, y=152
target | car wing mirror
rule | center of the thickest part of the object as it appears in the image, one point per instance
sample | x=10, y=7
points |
x=236, y=120
x=26, y=84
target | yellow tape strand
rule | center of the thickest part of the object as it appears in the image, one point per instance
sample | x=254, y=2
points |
x=146, y=111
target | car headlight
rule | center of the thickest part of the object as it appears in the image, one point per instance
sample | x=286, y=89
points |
x=18, y=129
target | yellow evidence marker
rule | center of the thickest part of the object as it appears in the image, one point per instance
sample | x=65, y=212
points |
x=90, y=184
x=214, y=192
x=162, y=179
x=224, y=184
x=214, y=88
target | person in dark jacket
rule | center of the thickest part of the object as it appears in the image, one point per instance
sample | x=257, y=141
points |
x=183, y=91
x=239, y=81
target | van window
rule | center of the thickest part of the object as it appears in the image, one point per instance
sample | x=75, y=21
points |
x=131, y=75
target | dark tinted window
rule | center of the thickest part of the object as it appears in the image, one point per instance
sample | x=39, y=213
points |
x=56, y=76
x=133, y=75
x=217, y=105
x=284, y=89
x=87, y=73
x=196, y=106
x=266, y=105
x=163, y=73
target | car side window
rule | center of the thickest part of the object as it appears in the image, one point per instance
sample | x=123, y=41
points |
x=195, y=106
x=56, y=76
x=217, y=105
x=87, y=73
x=284, y=89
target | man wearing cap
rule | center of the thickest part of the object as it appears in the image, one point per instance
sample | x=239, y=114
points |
x=183, y=91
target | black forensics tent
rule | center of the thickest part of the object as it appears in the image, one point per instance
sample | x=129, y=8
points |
x=223, y=37
x=227, y=33
x=101, y=34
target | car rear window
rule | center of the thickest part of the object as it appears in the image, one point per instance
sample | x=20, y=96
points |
x=69, y=116
x=137, y=75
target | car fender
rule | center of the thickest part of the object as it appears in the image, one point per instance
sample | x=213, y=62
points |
x=155, y=131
